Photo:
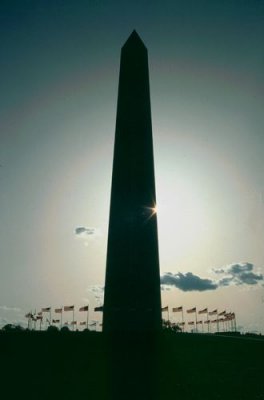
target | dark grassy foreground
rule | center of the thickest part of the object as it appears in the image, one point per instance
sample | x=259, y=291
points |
x=36, y=365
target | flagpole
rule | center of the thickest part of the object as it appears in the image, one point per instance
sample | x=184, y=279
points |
x=87, y=316
x=207, y=321
x=168, y=317
x=61, y=315
x=217, y=322
x=196, y=320
x=182, y=319
x=73, y=319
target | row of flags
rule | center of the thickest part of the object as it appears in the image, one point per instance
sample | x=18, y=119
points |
x=226, y=317
x=204, y=322
x=38, y=316
x=194, y=310
x=70, y=308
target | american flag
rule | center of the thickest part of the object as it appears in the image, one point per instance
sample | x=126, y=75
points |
x=191, y=323
x=165, y=308
x=68, y=308
x=47, y=309
x=207, y=321
x=222, y=313
x=191, y=310
x=83, y=323
x=204, y=311
x=229, y=316
x=55, y=321
x=58, y=310
x=74, y=323
x=214, y=312
x=85, y=308
x=100, y=308
x=199, y=322
x=177, y=309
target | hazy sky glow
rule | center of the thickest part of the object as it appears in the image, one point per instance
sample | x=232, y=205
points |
x=59, y=77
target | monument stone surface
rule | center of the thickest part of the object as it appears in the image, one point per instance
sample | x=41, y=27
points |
x=132, y=282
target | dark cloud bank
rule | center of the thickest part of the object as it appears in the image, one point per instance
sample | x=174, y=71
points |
x=234, y=274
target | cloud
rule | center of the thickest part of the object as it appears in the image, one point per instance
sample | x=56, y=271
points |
x=6, y=308
x=87, y=234
x=187, y=282
x=235, y=274
x=3, y=321
x=97, y=291
x=84, y=232
x=238, y=274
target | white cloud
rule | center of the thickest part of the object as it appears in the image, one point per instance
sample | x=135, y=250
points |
x=13, y=309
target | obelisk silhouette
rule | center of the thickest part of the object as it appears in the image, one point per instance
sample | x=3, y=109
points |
x=132, y=283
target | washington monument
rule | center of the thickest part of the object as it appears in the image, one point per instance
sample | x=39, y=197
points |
x=132, y=283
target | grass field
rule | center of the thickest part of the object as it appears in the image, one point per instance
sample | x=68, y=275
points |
x=89, y=365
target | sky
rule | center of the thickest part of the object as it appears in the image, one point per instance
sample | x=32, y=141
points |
x=59, y=69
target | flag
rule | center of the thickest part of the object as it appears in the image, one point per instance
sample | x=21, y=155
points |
x=191, y=323
x=83, y=323
x=230, y=316
x=165, y=308
x=204, y=311
x=58, y=310
x=214, y=321
x=199, y=322
x=40, y=313
x=191, y=310
x=39, y=317
x=222, y=313
x=181, y=323
x=74, y=323
x=55, y=321
x=100, y=308
x=93, y=324
x=85, y=308
x=29, y=315
x=68, y=308
x=214, y=312
x=207, y=321
x=47, y=309
x=177, y=309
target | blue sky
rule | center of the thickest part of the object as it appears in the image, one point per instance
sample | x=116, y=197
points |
x=59, y=77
